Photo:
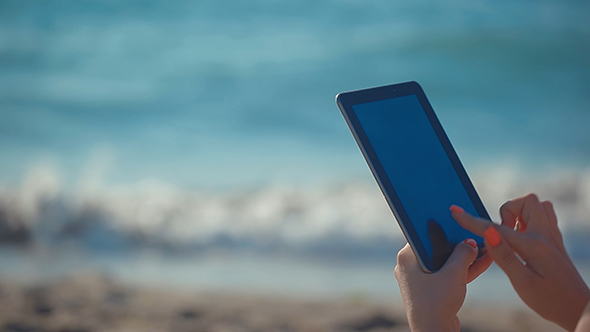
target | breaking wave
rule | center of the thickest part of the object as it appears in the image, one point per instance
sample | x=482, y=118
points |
x=350, y=218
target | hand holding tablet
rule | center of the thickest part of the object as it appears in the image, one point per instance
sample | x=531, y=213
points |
x=422, y=179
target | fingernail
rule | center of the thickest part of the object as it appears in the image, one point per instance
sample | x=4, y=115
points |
x=471, y=242
x=456, y=209
x=492, y=236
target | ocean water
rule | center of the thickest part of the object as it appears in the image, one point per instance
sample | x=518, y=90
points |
x=226, y=93
x=207, y=129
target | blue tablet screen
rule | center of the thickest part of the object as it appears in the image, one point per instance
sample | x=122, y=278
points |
x=418, y=169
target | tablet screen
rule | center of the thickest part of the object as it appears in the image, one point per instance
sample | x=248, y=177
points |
x=419, y=169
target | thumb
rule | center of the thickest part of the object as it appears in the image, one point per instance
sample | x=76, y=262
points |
x=463, y=255
x=502, y=254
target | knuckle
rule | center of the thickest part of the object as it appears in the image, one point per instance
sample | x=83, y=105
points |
x=400, y=272
x=505, y=206
x=547, y=204
x=402, y=258
x=538, y=245
x=532, y=197
x=507, y=256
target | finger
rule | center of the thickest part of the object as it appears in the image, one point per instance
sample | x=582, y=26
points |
x=463, y=255
x=478, y=267
x=552, y=218
x=473, y=224
x=522, y=244
x=526, y=209
x=509, y=213
x=521, y=226
x=406, y=260
x=501, y=252
x=549, y=212
x=533, y=213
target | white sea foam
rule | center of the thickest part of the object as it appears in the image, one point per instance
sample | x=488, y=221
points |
x=151, y=212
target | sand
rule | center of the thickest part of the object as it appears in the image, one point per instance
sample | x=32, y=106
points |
x=90, y=303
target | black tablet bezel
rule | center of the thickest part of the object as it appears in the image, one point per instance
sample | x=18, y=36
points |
x=345, y=102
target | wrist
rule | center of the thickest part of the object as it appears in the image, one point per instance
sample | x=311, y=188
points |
x=571, y=319
x=430, y=323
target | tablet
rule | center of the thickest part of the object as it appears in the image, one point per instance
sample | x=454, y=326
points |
x=415, y=166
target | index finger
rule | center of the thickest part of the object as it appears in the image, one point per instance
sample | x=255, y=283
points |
x=473, y=224
x=518, y=241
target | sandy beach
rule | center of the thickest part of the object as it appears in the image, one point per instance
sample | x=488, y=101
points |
x=89, y=303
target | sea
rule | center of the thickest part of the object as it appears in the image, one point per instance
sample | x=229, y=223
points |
x=196, y=143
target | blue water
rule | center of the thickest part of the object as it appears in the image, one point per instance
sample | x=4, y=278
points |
x=226, y=93
x=208, y=124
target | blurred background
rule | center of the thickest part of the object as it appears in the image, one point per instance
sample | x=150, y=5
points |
x=195, y=145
